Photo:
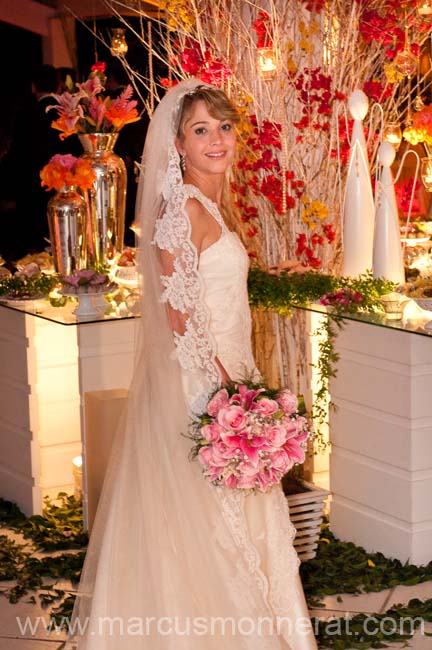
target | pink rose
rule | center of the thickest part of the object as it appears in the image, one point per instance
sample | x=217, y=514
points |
x=265, y=406
x=291, y=428
x=65, y=160
x=218, y=401
x=302, y=424
x=211, y=432
x=288, y=401
x=222, y=453
x=280, y=461
x=276, y=435
x=205, y=455
x=232, y=417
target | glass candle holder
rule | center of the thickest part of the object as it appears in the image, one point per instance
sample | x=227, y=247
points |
x=426, y=173
x=119, y=45
x=267, y=62
x=424, y=8
x=406, y=62
x=393, y=133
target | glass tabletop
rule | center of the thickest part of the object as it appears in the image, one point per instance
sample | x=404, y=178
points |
x=420, y=324
x=103, y=310
x=119, y=309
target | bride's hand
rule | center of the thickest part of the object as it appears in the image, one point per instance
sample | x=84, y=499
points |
x=290, y=266
x=225, y=378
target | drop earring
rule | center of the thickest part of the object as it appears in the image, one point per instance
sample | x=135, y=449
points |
x=183, y=163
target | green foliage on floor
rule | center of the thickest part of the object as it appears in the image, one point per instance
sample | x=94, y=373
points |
x=344, y=568
x=363, y=631
x=339, y=567
x=60, y=527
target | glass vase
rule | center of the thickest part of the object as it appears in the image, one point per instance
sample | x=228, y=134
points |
x=106, y=198
x=67, y=222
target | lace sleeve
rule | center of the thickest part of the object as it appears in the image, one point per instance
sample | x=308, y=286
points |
x=183, y=292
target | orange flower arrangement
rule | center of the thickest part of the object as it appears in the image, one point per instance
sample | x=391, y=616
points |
x=83, y=108
x=67, y=171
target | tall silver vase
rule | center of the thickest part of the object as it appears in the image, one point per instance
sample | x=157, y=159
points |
x=67, y=222
x=107, y=197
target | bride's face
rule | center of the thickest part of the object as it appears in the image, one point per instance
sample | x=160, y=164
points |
x=207, y=143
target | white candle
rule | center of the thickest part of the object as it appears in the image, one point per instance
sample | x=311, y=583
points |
x=393, y=138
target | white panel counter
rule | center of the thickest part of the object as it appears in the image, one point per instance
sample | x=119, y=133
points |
x=49, y=361
x=381, y=437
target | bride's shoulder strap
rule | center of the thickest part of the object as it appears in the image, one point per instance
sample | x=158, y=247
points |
x=192, y=192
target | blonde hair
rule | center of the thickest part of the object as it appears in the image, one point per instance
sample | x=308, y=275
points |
x=218, y=105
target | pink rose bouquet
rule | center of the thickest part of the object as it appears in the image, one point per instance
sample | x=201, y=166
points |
x=249, y=437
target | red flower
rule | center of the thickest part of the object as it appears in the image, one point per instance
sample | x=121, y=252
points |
x=99, y=66
x=215, y=73
x=376, y=91
x=263, y=30
x=329, y=232
x=167, y=83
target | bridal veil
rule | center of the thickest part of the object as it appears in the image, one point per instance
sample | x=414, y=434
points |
x=173, y=562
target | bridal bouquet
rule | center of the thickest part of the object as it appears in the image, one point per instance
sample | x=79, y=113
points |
x=249, y=436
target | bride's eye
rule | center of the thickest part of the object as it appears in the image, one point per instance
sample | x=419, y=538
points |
x=227, y=126
x=200, y=130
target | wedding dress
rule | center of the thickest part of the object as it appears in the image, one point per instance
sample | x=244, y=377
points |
x=175, y=563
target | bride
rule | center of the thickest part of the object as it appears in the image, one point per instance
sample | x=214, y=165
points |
x=175, y=563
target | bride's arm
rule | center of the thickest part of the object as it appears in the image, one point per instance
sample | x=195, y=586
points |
x=177, y=318
x=179, y=239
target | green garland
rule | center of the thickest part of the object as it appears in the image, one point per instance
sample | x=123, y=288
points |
x=284, y=292
x=25, y=287
x=281, y=293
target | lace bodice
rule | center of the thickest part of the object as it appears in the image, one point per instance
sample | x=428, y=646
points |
x=209, y=296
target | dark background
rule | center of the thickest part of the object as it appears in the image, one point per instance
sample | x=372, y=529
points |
x=17, y=74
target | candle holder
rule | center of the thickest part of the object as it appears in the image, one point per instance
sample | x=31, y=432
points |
x=393, y=133
x=426, y=173
x=424, y=8
x=267, y=65
x=119, y=46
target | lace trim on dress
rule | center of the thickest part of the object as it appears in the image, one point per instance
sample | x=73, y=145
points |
x=283, y=561
x=232, y=502
x=184, y=289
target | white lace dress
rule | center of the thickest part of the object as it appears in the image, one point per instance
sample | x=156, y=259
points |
x=211, y=294
x=175, y=563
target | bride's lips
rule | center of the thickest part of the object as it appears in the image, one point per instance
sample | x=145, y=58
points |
x=216, y=154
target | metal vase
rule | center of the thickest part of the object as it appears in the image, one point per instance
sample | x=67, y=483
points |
x=107, y=197
x=67, y=222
